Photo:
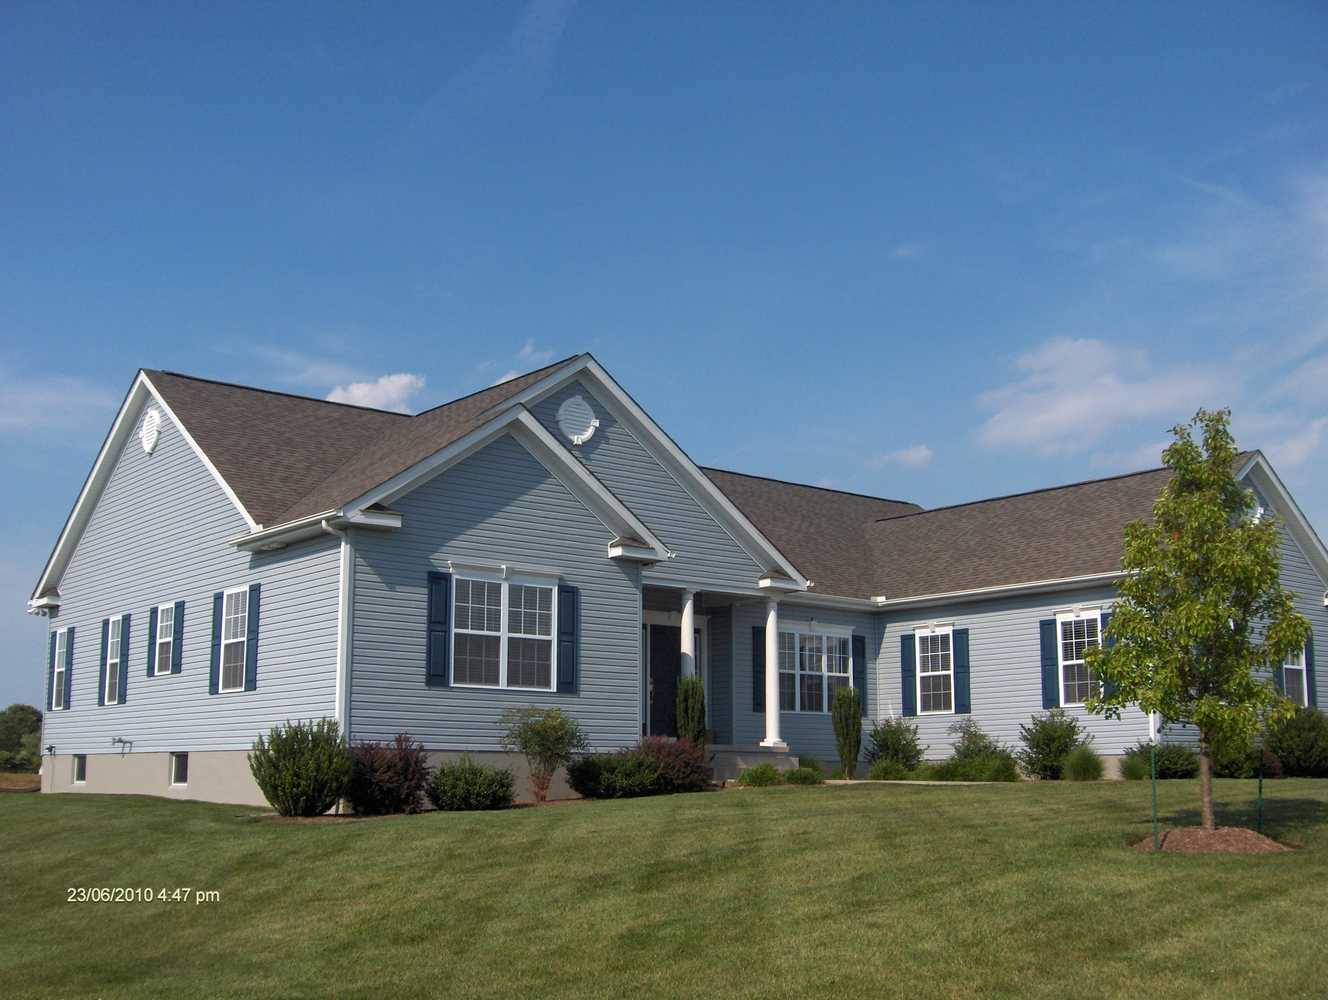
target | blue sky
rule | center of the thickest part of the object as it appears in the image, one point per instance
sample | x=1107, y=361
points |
x=934, y=252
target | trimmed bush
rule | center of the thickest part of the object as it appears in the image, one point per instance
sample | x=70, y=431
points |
x=1048, y=740
x=804, y=776
x=1082, y=764
x=846, y=714
x=760, y=776
x=465, y=786
x=302, y=768
x=1133, y=768
x=889, y=770
x=1300, y=743
x=995, y=765
x=656, y=766
x=546, y=737
x=1173, y=760
x=689, y=711
x=895, y=740
x=387, y=778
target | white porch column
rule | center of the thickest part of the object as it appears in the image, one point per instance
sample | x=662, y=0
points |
x=772, y=739
x=689, y=633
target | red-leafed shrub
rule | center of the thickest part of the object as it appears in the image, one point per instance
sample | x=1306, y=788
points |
x=656, y=766
x=682, y=764
x=388, y=777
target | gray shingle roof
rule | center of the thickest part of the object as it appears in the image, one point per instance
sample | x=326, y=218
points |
x=290, y=456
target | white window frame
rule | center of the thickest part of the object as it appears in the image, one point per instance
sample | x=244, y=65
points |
x=1303, y=668
x=58, y=675
x=112, y=656
x=166, y=613
x=173, y=757
x=933, y=630
x=1073, y=616
x=243, y=641
x=799, y=631
x=74, y=769
x=506, y=582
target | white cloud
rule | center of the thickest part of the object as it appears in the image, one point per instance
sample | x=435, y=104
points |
x=907, y=251
x=35, y=402
x=387, y=392
x=508, y=375
x=536, y=357
x=914, y=457
x=1073, y=393
x=297, y=368
x=1302, y=443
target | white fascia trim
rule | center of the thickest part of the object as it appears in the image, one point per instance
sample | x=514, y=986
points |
x=120, y=432
x=674, y=459
x=1264, y=476
x=1005, y=590
x=829, y=601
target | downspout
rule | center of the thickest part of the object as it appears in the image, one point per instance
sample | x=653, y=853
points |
x=345, y=583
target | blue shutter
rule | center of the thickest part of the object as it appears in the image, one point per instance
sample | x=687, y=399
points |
x=908, y=675
x=218, y=610
x=101, y=673
x=1311, y=689
x=758, y=668
x=69, y=665
x=438, y=646
x=1108, y=641
x=152, y=641
x=121, y=694
x=177, y=638
x=251, y=640
x=1051, y=668
x=569, y=614
x=963, y=701
x=50, y=678
x=860, y=669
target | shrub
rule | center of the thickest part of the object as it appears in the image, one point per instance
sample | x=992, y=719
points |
x=994, y=765
x=1234, y=758
x=1300, y=743
x=889, y=770
x=1082, y=764
x=1133, y=768
x=1173, y=760
x=546, y=737
x=1048, y=740
x=895, y=740
x=804, y=776
x=846, y=714
x=463, y=785
x=971, y=742
x=655, y=767
x=690, y=711
x=760, y=776
x=387, y=777
x=303, y=768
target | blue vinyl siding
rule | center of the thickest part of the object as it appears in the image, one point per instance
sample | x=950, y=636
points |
x=500, y=505
x=719, y=634
x=161, y=532
x=707, y=555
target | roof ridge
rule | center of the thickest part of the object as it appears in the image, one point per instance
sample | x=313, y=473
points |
x=273, y=392
x=809, y=486
x=533, y=371
x=1025, y=493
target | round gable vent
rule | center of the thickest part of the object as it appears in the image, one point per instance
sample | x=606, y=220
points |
x=576, y=419
x=151, y=429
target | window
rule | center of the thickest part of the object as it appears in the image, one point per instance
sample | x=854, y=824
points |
x=164, y=638
x=1293, y=678
x=234, y=635
x=812, y=667
x=502, y=634
x=111, y=695
x=1078, y=633
x=80, y=768
x=935, y=670
x=179, y=769
x=58, y=678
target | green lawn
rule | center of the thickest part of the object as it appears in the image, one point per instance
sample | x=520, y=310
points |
x=871, y=891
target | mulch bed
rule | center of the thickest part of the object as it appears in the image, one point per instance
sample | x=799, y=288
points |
x=1223, y=840
x=19, y=781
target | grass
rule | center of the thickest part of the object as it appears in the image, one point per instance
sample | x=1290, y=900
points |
x=1024, y=890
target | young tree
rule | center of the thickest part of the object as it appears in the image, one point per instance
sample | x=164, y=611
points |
x=1202, y=612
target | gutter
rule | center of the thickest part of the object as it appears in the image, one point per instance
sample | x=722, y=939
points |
x=1004, y=590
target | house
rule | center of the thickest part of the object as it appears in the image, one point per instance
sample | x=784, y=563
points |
x=238, y=558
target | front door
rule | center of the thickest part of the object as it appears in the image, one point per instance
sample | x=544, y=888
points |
x=665, y=667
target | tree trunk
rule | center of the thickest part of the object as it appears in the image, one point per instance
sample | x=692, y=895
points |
x=1206, y=779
